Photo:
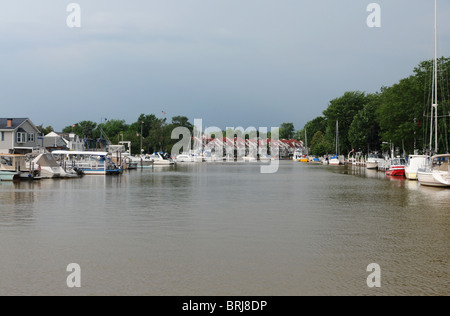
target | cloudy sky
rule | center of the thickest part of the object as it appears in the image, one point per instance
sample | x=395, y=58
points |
x=229, y=62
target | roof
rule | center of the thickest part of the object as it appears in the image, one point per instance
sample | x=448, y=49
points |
x=16, y=123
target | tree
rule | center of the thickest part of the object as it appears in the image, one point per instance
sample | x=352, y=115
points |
x=319, y=145
x=343, y=110
x=287, y=131
x=181, y=121
x=114, y=128
x=45, y=130
x=364, y=131
x=84, y=129
x=319, y=124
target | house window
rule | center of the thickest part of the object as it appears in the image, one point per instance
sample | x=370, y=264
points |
x=31, y=138
x=21, y=138
x=3, y=136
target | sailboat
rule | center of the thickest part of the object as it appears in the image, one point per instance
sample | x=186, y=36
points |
x=334, y=161
x=437, y=172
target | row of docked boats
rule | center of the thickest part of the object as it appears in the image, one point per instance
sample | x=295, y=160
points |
x=429, y=171
x=69, y=164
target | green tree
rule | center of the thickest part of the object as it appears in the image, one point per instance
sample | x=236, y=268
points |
x=319, y=144
x=45, y=130
x=343, y=110
x=84, y=129
x=287, y=131
x=364, y=131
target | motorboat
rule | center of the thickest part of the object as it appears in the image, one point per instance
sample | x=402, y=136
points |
x=48, y=167
x=415, y=162
x=436, y=173
x=184, y=157
x=160, y=159
x=397, y=167
x=373, y=161
x=334, y=161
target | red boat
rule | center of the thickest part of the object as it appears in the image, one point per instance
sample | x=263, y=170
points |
x=397, y=168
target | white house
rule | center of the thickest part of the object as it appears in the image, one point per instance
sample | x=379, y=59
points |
x=19, y=136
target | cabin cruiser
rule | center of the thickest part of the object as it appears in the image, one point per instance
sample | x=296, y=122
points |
x=185, y=157
x=334, y=161
x=160, y=159
x=397, y=167
x=415, y=162
x=48, y=167
x=373, y=161
x=436, y=173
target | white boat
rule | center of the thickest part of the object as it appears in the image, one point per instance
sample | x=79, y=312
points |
x=334, y=161
x=298, y=155
x=160, y=159
x=48, y=167
x=373, y=161
x=184, y=157
x=415, y=162
x=90, y=162
x=436, y=173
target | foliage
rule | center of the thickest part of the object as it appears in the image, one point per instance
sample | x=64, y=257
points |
x=287, y=131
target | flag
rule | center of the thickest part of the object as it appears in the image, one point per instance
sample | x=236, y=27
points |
x=73, y=125
x=163, y=113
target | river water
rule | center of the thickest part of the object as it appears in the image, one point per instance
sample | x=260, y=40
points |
x=225, y=229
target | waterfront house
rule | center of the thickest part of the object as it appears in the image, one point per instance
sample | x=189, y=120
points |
x=19, y=136
x=62, y=141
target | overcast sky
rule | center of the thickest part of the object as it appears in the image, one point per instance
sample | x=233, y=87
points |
x=229, y=62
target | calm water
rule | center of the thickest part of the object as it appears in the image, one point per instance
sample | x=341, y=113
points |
x=225, y=230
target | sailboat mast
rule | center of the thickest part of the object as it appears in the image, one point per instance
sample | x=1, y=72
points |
x=435, y=105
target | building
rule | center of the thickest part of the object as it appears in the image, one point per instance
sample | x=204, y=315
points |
x=19, y=136
x=61, y=141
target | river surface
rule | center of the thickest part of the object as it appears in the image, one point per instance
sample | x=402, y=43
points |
x=225, y=229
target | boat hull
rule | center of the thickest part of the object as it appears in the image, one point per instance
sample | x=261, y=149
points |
x=396, y=172
x=372, y=165
x=429, y=179
x=411, y=175
x=9, y=176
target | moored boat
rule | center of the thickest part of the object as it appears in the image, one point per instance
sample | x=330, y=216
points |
x=373, y=160
x=436, y=173
x=415, y=162
x=15, y=164
x=90, y=162
x=397, y=168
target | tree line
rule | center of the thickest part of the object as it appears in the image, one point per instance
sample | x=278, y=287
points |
x=398, y=116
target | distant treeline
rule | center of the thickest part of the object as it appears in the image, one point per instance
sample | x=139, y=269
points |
x=399, y=114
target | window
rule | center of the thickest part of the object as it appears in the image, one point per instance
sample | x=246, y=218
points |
x=21, y=138
x=3, y=136
x=31, y=138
